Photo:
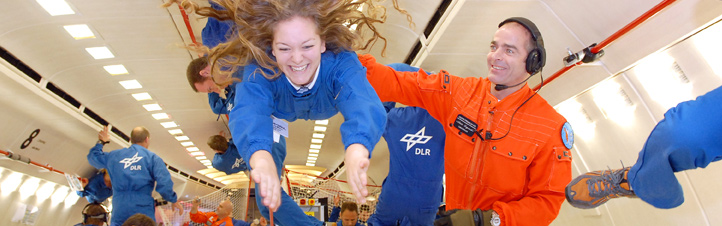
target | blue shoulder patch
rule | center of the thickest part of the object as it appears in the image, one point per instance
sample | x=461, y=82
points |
x=567, y=135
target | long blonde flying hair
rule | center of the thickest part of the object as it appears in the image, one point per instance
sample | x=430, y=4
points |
x=255, y=20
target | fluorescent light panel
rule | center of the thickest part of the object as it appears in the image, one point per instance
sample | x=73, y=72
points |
x=319, y=128
x=196, y=153
x=187, y=143
x=175, y=131
x=315, y=146
x=313, y=154
x=182, y=138
x=170, y=124
x=202, y=157
x=56, y=7
x=116, y=69
x=79, y=31
x=322, y=122
x=310, y=164
x=313, y=151
x=130, y=84
x=192, y=149
x=312, y=158
x=141, y=96
x=316, y=141
x=100, y=52
x=152, y=107
x=159, y=116
x=204, y=161
x=319, y=135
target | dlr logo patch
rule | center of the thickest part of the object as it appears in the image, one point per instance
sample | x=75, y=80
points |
x=422, y=151
x=137, y=167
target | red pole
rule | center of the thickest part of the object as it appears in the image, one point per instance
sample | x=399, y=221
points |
x=632, y=25
x=51, y=169
x=248, y=195
x=288, y=183
x=641, y=19
x=188, y=24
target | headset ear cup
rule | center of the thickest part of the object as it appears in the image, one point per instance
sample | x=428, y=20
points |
x=533, y=62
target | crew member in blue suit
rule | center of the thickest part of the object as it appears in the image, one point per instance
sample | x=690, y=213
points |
x=134, y=171
x=411, y=193
x=687, y=138
x=220, y=98
x=98, y=188
x=198, y=73
x=227, y=159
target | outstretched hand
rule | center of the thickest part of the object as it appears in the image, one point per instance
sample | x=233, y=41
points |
x=179, y=206
x=263, y=172
x=336, y=200
x=357, y=163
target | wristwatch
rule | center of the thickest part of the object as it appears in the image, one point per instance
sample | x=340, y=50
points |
x=103, y=142
x=495, y=220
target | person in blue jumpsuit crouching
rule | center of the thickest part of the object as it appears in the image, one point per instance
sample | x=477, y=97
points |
x=134, y=171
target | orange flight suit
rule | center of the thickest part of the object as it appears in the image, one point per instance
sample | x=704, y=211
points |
x=210, y=219
x=521, y=176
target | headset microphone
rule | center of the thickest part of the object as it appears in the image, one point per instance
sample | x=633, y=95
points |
x=500, y=87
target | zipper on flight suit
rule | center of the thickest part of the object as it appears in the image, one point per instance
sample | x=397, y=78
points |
x=479, y=148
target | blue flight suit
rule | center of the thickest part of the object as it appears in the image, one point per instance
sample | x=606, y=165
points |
x=134, y=172
x=239, y=222
x=687, y=138
x=216, y=32
x=231, y=162
x=411, y=193
x=220, y=105
x=334, y=217
x=96, y=191
x=341, y=86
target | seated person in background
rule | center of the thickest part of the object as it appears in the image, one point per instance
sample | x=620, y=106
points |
x=98, y=188
x=94, y=214
x=222, y=215
x=348, y=213
x=139, y=219
x=227, y=159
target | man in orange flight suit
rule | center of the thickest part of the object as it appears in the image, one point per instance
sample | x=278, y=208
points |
x=507, y=150
x=222, y=216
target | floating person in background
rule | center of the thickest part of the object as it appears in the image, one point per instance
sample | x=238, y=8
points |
x=98, y=188
x=227, y=159
x=687, y=138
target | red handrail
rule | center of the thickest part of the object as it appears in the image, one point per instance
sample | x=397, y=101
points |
x=188, y=24
x=50, y=168
x=641, y=19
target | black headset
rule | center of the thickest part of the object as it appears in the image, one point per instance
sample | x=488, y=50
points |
x=537, y=56
x=103, y=216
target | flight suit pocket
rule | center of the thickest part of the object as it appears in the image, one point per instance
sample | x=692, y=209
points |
x=561, y=171
x=505, y=166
